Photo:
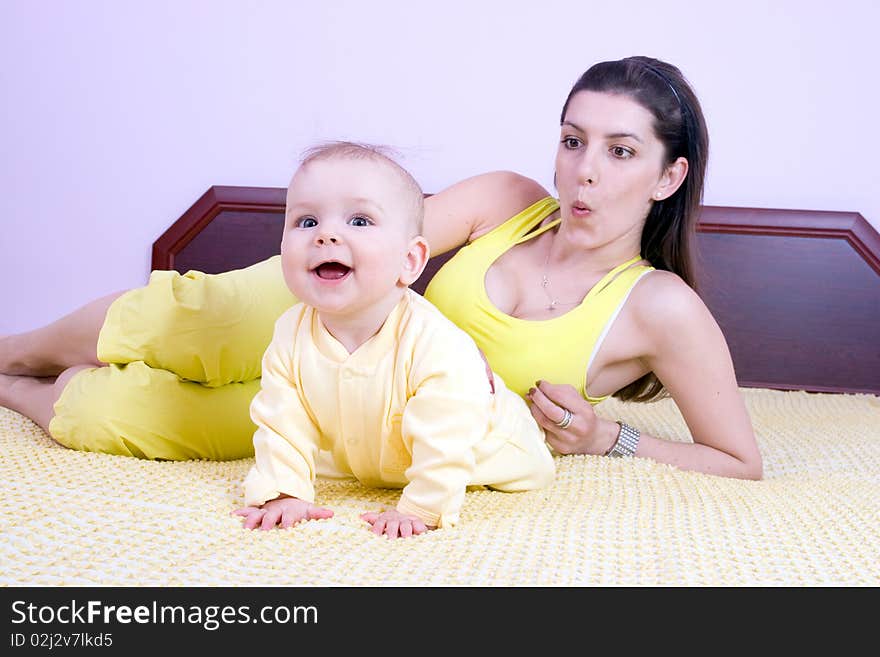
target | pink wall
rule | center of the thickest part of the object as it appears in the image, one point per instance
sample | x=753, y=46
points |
x=116, y=116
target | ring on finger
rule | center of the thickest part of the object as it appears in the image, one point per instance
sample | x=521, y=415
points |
x=566, y=419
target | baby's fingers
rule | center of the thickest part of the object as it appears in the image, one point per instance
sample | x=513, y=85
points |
x=252, y=516
x=379, y=526
x=319, y=513
x=289, y=518
x=391, y=528
x=271, y=516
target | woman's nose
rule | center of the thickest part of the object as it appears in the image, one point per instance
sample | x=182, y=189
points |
x=587, y=170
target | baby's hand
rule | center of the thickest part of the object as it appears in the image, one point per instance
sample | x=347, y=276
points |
x=282, y=511
x=392, y=523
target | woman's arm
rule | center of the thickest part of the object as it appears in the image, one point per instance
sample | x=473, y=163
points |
x=688, y=353
x=461, y=213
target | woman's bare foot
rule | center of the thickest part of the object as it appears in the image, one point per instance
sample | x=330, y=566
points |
x=31, y=396
x=20, y=356
x=69, y=341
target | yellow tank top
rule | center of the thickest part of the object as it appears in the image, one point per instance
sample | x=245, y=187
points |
x=557, y=350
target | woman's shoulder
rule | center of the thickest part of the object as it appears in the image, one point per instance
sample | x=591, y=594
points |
x=472, y=207
x=507, y=193
x=663, y=301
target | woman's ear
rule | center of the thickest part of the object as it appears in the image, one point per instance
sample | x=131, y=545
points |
x=671, y=179
x=416, y=258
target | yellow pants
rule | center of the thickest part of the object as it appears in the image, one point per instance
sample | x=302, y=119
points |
x=184, y=354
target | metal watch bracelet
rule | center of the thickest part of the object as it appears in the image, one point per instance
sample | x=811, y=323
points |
x=627, y=441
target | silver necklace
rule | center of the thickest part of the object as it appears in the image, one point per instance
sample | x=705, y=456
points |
x=545, y=285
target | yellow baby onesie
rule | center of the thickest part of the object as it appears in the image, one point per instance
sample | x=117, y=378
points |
x=413, y=407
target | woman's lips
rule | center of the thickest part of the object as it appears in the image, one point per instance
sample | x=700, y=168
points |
x=580, y=210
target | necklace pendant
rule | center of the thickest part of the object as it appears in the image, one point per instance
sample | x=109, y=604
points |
x=552, y=305
x=545, y=281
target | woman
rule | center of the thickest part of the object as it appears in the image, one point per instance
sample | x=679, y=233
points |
x=571, y=301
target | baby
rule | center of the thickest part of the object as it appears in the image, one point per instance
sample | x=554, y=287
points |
x=366, y=378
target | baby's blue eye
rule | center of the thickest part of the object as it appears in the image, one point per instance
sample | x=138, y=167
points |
x=306, y=222
x=359, y=221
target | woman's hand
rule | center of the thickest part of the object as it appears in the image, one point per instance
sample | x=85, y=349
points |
x=282, y=511
x=392, y=523
x=586, y=434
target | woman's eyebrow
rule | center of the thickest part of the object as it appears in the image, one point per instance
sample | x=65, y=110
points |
x=612, y=135
x=623, y=135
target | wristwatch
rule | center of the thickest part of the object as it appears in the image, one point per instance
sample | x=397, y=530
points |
x=627, y=441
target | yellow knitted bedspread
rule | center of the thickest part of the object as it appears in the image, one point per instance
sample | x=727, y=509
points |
x=71, y=518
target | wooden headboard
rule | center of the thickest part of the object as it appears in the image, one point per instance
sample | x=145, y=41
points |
x=796, y=292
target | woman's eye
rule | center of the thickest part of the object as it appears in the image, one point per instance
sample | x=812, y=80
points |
x=306, y=222
x=359, y=221
x=621, y=152
x=571, y=142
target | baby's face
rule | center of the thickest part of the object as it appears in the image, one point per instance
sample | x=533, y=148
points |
x=347, y=232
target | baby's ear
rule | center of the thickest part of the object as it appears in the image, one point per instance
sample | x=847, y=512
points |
x=416, y=258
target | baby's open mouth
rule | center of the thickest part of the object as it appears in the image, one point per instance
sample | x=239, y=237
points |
x=331, y=271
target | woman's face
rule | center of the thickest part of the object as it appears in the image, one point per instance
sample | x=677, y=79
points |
x=609, y=168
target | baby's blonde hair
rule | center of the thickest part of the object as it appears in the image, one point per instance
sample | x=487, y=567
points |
x=357, y=151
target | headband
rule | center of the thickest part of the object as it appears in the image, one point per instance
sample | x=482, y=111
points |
x=668, y=82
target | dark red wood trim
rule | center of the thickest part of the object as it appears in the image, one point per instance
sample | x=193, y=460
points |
x=214, y=201
x=851, y=226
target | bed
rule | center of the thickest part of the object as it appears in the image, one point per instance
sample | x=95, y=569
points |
x=797, y=294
